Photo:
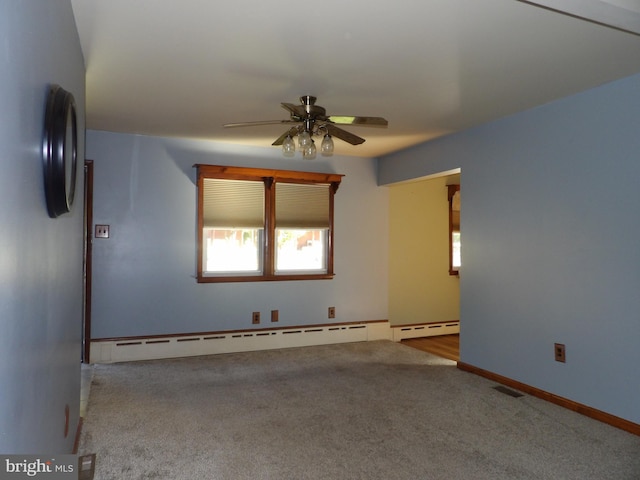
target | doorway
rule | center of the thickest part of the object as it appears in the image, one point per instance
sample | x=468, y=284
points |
x=422, y=289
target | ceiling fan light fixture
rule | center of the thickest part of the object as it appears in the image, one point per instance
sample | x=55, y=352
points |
x=309, y=152
x=326, y=148
x=304, y=139
x=288, y=147
x=311, y=120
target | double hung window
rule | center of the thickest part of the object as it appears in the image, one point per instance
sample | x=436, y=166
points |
x=262, y=224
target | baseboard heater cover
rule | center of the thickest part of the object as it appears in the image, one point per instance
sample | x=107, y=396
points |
x=138, y=348
x=400, y=332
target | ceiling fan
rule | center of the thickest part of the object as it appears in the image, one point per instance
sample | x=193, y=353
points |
x=311, y=119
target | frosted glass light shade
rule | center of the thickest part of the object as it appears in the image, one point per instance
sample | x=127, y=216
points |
x=309, y=152
x=326, y=148
x=288, y=147
x=304, y=139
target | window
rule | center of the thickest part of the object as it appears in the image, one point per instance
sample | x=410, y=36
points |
x=262, y=224
x=454, y=229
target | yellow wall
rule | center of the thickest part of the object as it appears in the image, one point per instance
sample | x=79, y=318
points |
x=420, y=287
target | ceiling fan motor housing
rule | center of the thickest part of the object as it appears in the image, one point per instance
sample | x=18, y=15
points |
x=314, y=111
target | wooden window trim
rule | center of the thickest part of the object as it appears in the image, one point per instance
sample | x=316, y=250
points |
x=270, y=177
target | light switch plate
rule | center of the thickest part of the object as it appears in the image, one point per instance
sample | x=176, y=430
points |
x=102, y=231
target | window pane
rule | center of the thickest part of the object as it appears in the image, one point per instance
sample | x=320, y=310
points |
x=232, y=250
x=301, y=249
x=455, y=238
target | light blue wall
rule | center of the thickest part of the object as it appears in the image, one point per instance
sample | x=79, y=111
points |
x=550, y=254
x=40, y=258
x=144, y=274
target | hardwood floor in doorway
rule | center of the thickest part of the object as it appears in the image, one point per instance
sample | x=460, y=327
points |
x=447, y=346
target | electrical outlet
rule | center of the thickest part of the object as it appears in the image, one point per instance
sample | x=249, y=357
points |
x=255, y=319
x=332, y=312
x=102, y=231
x=559, y=352
x=274, y=315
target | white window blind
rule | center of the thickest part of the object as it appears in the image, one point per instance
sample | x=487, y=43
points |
x=302, y=205
x=233, y=203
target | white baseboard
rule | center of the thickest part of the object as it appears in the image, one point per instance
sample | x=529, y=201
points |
x=140, y=348
x=400, y=332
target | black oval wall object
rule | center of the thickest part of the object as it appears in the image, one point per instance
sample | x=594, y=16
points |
x=59, y=151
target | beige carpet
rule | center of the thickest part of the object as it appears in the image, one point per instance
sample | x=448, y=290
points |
x=377, y=410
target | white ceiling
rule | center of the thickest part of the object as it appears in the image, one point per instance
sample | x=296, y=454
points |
x=431, y=67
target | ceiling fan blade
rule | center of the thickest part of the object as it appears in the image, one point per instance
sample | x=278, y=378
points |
x=293, y=131
x=363, y=121
x=263, y=122
x=296, y=110
x=343, y=134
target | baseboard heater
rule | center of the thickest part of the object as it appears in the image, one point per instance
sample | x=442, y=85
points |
x=400, y=332
x=211, y=343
